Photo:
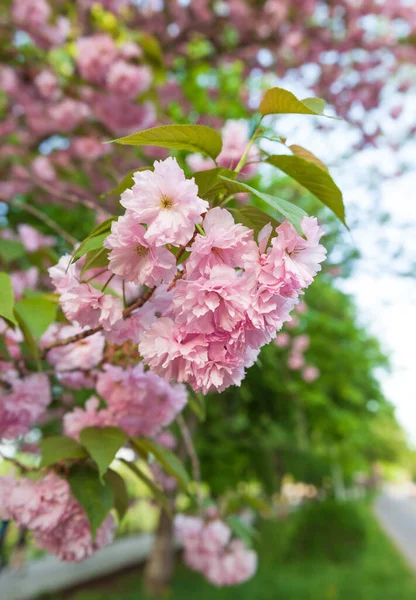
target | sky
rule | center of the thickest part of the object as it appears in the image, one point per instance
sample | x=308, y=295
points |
x=382, y=179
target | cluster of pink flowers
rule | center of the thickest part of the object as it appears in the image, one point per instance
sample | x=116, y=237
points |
x=34, y=16
x=58, y=522
x=210, y=550
x=228, y=299
x=24, y=404
x=297, y=346
x=234, y=297
x=138, y=401
x=82, y=303
x=100, y=62
x=235, y=138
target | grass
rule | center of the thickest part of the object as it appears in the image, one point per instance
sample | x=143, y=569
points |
x=378, y=573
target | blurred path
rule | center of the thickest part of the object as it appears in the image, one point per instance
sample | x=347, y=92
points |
x=396, y=513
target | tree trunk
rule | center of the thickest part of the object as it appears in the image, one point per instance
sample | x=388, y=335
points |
x=159, y=567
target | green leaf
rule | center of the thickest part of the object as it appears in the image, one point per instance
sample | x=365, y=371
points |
x=303, y=153
x=90, y=243
x=38, y=313
x=169, y=461
x=257, y=503
x=7, y=299
x=277, y=101
x=209, y=182
x=241, y=529
x=314, y=179
x=28, y=336
x=102, y=444
x=195, y=138
x=156, y=491
x=11, y=250
x=121, y=497
x=253, y=217
x=315, y=104
x=57, y=448
x=100, y=232
x=94, y=259
x=151, y=49
x=284, y=209
x=96, y=498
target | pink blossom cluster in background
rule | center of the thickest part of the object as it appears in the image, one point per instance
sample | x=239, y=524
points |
x=57, y=521
x=210, y=549
x=138, y=401
x=24, y=404
x=235, y=137
x=297, y=346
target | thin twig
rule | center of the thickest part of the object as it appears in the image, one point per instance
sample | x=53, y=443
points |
x=64, y=195
x=84, y=334
x=190, y=448
x=17, y=464
x=45, y=219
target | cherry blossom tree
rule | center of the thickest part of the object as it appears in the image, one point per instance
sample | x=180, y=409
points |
x=168, y=269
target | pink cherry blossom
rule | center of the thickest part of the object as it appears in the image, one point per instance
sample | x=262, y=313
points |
x=67, y=114
x=282, y=340
x=12, y=338
x=32, y=239
x=134, y=258
x=91, y=416
x=43, y=168
x=64, y=274
x=48, y=85
x=31, y=13
x=71, y=539
x=224, y=243
x=211, y=305
x=170, y=353
x=295, y=361
x=209, y=549
x=235, y=138
x=301, y=343
x=121, y=115
x=85, y=354
x=166, y=202
x=86, y=305
x=95, y=54
x=24, y=280
x=310, y=373
x=88, y=148
x=300, y=257
x=128, y=80
x=140, y=402
x=197, y=162
x=24, y=405
x=59, y=524
x=39, y=505
x=130, y=50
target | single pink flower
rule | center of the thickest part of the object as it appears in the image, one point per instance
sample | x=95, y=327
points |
x=224, y=243
x=134, y=258
x=310, y=373
x=86, y=305
x=166, y=202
